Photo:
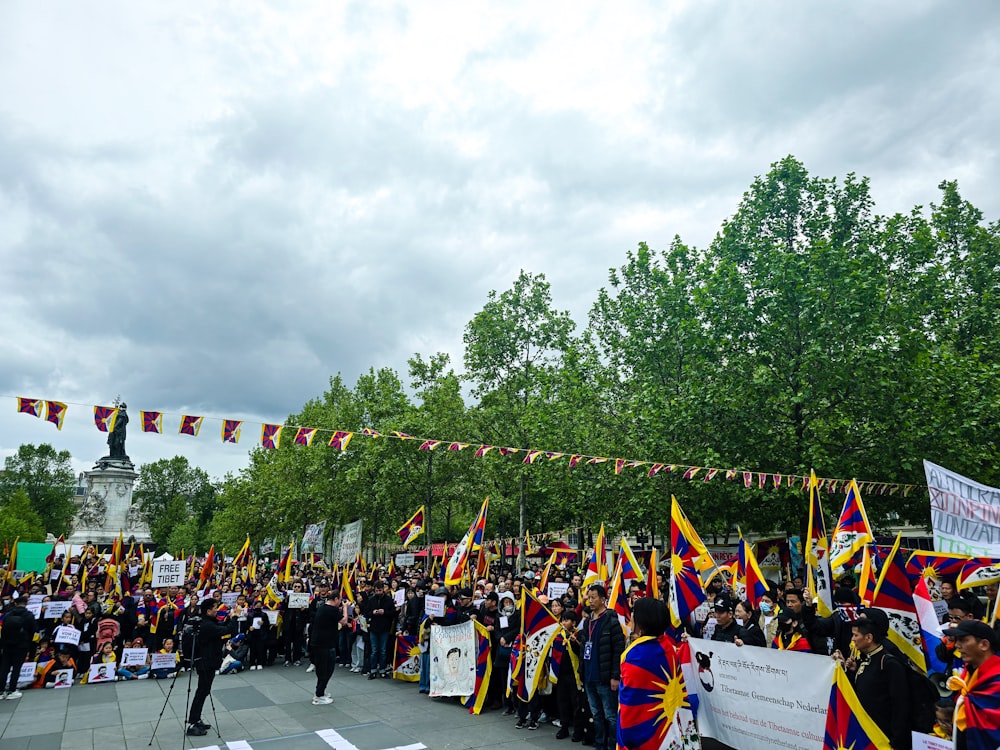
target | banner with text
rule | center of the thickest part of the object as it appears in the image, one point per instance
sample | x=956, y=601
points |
x=965, y=515
x=760, y=698
x=349, y=543
x=312, y=539
x=453, y=660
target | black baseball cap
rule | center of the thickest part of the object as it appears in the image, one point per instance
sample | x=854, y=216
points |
x=722, y=604
x=976, y=628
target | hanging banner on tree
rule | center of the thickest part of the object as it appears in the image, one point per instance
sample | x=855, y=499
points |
x=350, y=543
x=312, y=539
x=760, y=698
x=965, y=515
x=453, y=660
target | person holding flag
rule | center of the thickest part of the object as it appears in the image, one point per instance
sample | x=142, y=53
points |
x=602, y=652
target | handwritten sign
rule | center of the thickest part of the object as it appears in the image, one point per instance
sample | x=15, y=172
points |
x=54, y=610
x=434, y=606
x=27, y=673
x=405, y=559
x=163, y=661
x=67, y=634
x=298, y=600
x=965, y=515
x=134, y=657
x=272, y=616
x=168, y=573
x=556, y=590
x=229, y=598
x=35, y=608
x=399, y=597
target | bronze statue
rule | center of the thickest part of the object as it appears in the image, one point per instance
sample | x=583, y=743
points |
x=116, y=438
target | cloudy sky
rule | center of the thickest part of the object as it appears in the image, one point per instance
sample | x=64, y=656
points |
x=212, y=207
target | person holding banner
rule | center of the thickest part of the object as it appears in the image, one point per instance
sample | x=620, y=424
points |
x=15, y=641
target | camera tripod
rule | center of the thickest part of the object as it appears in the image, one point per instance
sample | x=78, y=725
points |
x=187, y=702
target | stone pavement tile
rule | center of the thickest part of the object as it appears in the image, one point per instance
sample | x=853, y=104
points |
x=78, y=739
x=45, y=742
x=450, y=739
x=91, y=695
x=93, y=718
x=24, y=728
x=324, y=720
x=106, y=736
x=14, y=743
x=249, y=715
x=285, y=727
x=240, y=698
x=288, y=693
x=376, y=736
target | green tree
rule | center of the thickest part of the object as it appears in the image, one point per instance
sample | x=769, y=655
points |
x=45, y=475
x=170, y=492
x=19, y=519
x=512, y=346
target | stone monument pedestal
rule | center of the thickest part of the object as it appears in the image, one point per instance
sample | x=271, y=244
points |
x=107, y=509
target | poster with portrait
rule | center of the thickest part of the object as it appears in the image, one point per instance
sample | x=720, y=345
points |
x=64, y=678
x=100, y=673
x=453, y=660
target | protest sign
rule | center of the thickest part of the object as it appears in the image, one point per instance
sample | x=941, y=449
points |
x=399, y=597
x=930, y=742
x=100, y=673
x=350, y=543
x=272, y=616
x=755, y=698
x=965, y=515
x=54, y=610
x=27, y=674
x=168, y=573
x=298, y=600
x=312, y=539
x=67, y=634
x=434, y=605
x=134, y=657
x=405, y=559
x=229, y=598
x=453, y=660
x=64, y=677
x=73, y=569
x=35, y=608
x=556, y=590
x=35, y=598
x=163, y=661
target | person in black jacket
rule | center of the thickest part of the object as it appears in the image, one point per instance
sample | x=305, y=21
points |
x=381, y=613
x=207, y=659
x=330, y=616
x=601, y=666
x=750, y=633
x=15, y=641
x=727, y=630
x=293, y=629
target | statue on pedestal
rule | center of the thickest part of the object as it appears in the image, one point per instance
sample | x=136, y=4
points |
x=116, y=438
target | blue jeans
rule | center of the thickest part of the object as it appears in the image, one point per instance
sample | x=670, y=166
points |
x=379, y=644
x=604, y=706
x=425, y=671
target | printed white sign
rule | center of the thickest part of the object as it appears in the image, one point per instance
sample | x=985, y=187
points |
x=405, y=559
x=929, y=742
x=272, y=616
x=298, y=600
x=54, y=610
x=453, y=659
x=434, y=606
x=556, y=590
x=229, y=598
x=27, y=674
x=64, y=678
x=168, y=573
x=100, y=673
x=399, y=597
x=66, y=634
x=134, y=657
x=35, y=608
x=163, y=661
x=749, y=696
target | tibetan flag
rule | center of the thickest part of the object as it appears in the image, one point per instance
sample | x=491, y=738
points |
x=817, y=554
x=554, y=455
x=104, y=418
x=473, y=538
x=484, y=670
x=55, y=412
x=704, y=563
x=619, y=465
x=231, y=430
x=341, y=439
x=653, y=588
x=482, y=450
x=429, y=445
x=369, y=432
x=923, y=563
x=305, y=435
x=270, y=436
x=152, y=421
x=402, y=435
x=618, y=601
x=597, y=566
x=543, y=579
x=630, y=566
x=848, y=725
x=412, y=528
x=930, y=628
x=242, y=559
x=653, y=707
x=205, y=578
x=406, y=660
x=691, y=472
x=852, y=532
x=346, y=592
x=894, y=595
x=979, y=571
x=749, y=575
x=978, y=711
x=528, y=549
x=458, y=446
x=284, y=569
x=531, y=456
x=538, y=630
x=32, y=406
x=191, y=425
x=686, y=591
x=867, y=580
x=574, y=459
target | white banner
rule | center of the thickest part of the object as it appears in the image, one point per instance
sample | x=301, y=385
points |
x=965, y=515
x=312, y=539
x=350, y=543
x=168, y=573
x=405, y=560
x=453, y=660
x=760, y=698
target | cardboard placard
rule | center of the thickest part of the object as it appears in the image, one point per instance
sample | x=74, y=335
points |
x=168, y=573
x=556, y=590
x=27, y=673
x=229, y=598
x=399, y=597
x=100, y=673
x=163, y=661
x=405, y=559
x=35, y=608
x=272, y=616
x=134, y=657
x=434, y=605
x=298, y=600
x=54, y=610
x=66, y=634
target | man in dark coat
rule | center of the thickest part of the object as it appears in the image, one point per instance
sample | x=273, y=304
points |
x=207, y=659
x=380, y=610
x=15, y=641
x=329, y=617
x=879, y=679
x=601, y=666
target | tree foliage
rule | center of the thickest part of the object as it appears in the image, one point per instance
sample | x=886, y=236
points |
x=18, y=519
x=172, y=493
x=46, y=477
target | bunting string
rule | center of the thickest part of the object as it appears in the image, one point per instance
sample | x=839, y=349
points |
x=272, y=433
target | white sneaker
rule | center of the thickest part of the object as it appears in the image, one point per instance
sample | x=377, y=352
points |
x=311, y=668
x=13, y=696
x=322, y=700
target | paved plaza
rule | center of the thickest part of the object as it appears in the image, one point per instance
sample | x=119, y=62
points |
x=259, y=710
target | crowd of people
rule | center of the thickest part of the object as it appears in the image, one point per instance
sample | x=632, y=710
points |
x=316, y=619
